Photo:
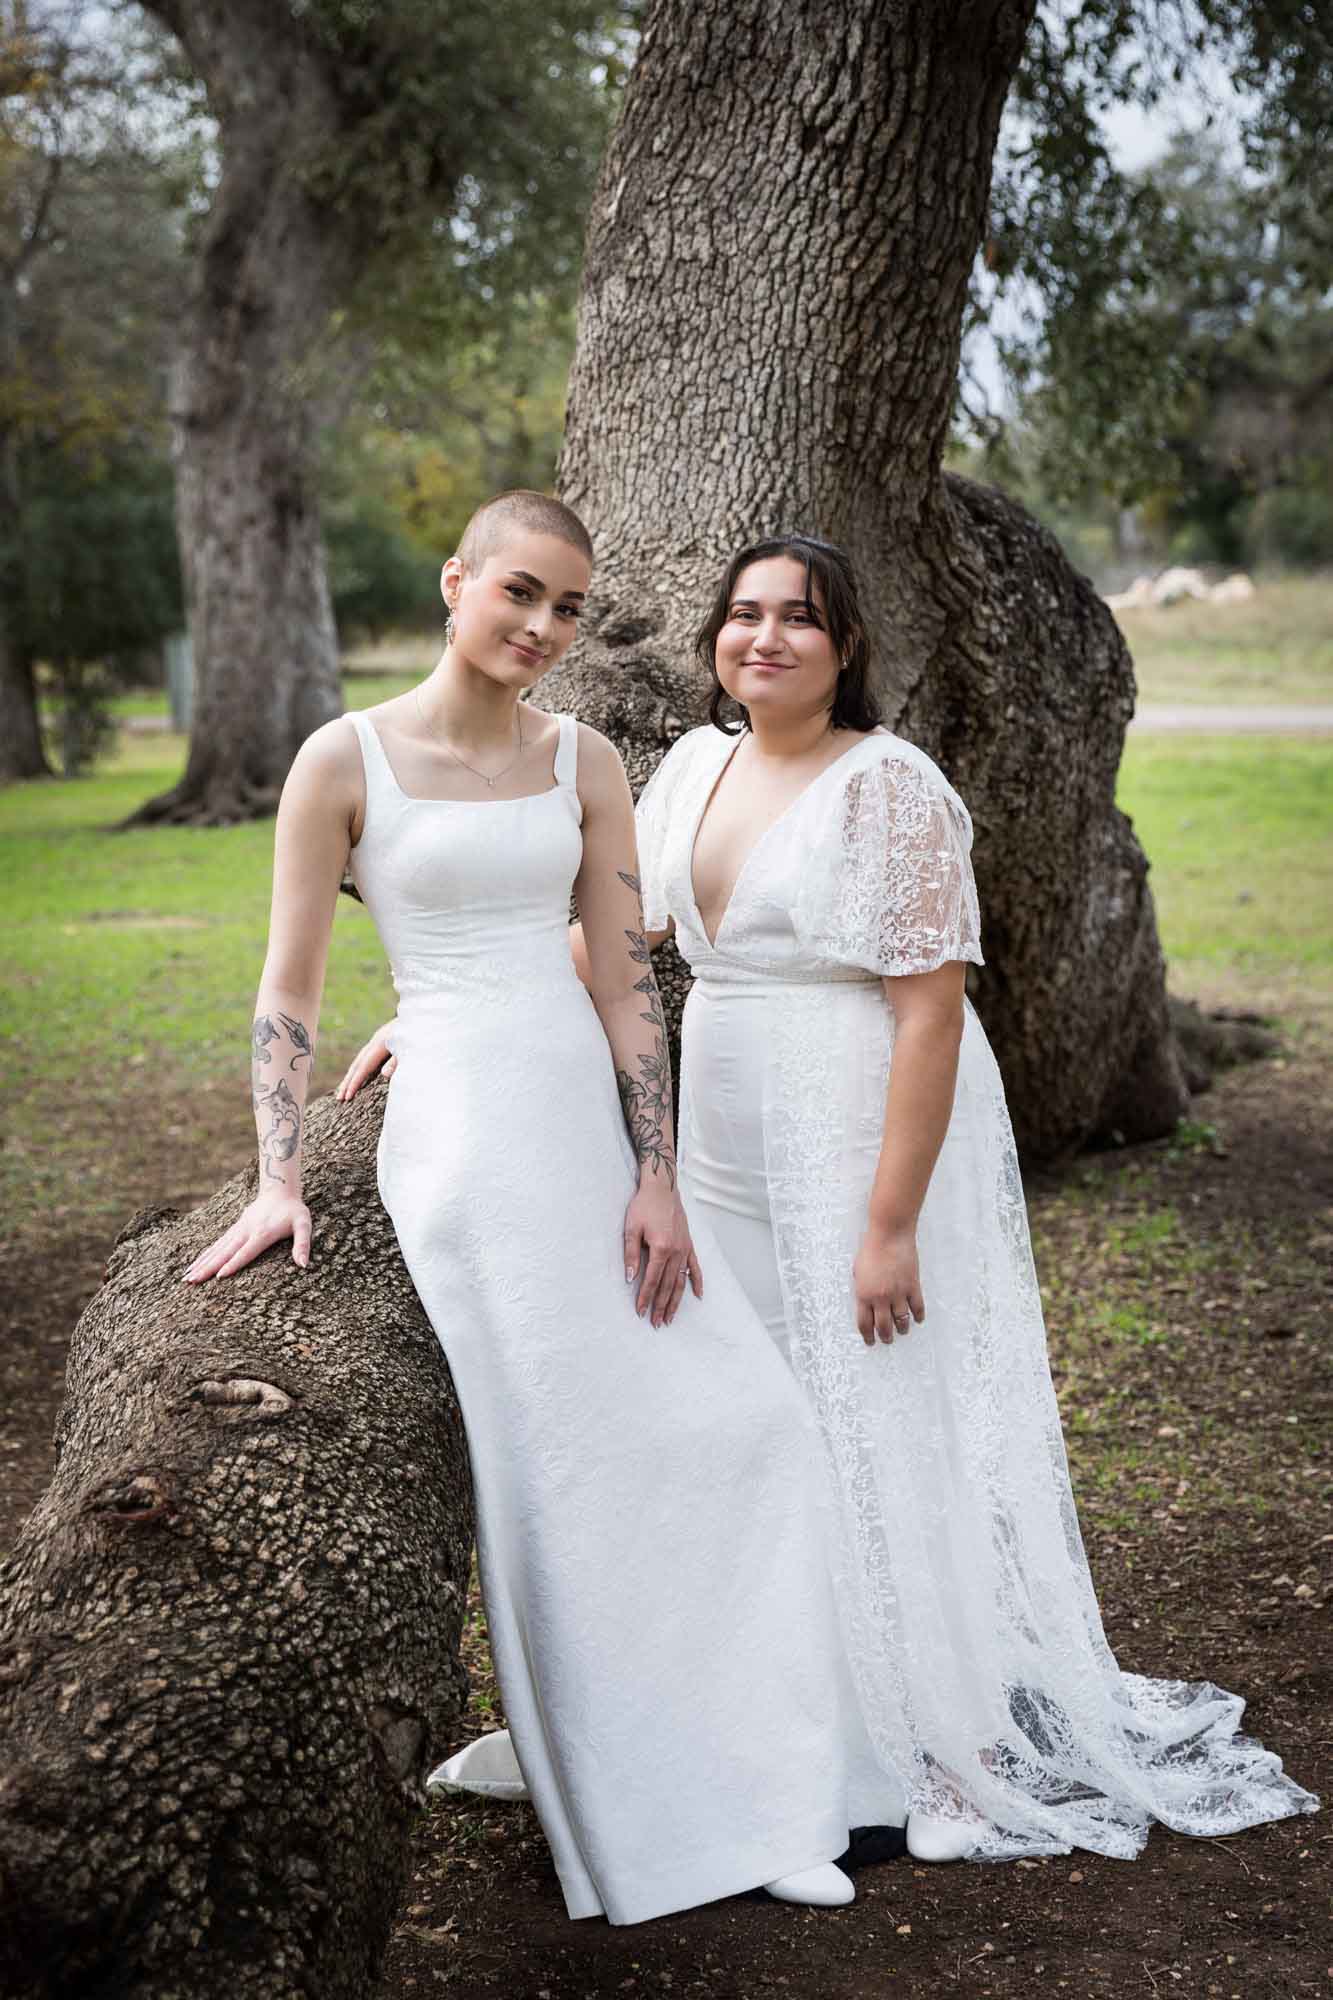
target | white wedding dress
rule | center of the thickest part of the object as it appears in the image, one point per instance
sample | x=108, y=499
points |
x=649, y=1501
x=968, y=1612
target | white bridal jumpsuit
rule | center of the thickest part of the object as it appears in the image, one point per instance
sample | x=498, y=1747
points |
x=968, y=1613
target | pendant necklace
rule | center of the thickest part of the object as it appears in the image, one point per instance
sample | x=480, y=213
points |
x=491, y=782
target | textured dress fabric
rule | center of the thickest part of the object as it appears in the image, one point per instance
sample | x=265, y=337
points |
x=973, y=1636
x=651, y=1503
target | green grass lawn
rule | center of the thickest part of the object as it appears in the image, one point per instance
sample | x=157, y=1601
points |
x=125, y=947
x=1239, y=831
x=1278, y=648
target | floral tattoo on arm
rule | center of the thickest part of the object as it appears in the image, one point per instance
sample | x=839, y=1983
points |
x=646, y=1099
x=277, y=1113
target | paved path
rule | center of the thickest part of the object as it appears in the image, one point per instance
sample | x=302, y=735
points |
x=1241, y=719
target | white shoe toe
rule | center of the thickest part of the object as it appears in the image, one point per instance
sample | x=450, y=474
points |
x=940, y=1839
x=825, y=1888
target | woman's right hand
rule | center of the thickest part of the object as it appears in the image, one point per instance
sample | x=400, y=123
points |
x=375, y=1055
x=268, y=1220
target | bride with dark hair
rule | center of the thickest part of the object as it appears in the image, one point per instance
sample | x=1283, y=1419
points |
x=843, y=1130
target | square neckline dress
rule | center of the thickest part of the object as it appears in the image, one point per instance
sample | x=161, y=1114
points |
x=651, y=1520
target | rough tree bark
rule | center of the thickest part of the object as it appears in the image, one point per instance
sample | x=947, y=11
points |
x=22, y=752
x=769, y=332
x=229, y=1632
x=271, y=268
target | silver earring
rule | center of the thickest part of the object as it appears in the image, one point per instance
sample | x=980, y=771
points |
x=448, y=624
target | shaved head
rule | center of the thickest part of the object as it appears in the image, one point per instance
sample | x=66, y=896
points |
x=532, y=513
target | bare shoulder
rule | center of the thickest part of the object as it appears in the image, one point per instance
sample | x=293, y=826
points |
x=328, y=768
x=601, y=767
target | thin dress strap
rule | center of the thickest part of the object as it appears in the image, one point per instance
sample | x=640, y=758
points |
x=373, y=754
x=566, y=766
x=381, y=784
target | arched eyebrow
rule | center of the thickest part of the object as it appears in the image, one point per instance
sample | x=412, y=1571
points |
x=535, y=583
x=788, y=604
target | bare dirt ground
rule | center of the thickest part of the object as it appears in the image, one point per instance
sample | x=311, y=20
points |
x=1189, y=1291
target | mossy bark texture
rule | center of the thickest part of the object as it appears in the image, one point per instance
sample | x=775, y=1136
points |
x=229, y=1631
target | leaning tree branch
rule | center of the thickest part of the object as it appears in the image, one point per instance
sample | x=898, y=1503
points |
x=229, y=1631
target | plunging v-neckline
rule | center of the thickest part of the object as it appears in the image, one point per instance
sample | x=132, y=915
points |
x=787, y=810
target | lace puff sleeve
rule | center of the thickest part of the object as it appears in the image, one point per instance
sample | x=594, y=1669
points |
x=652, y=827
x=889, y=884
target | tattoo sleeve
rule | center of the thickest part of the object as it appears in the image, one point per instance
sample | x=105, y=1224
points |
x=279, y=1044
x=646, y=1097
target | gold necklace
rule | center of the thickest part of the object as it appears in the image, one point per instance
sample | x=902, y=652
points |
x=492, y=782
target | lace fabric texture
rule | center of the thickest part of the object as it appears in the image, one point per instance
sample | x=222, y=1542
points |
x=966, y=1605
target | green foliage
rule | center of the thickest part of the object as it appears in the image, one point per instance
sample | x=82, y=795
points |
x=89, y=267
x=436, y=432
x=1188, y=374
x=99, y=553
x=466, y=147
x=1066, y=221
x=102, y=586
x=85, y=728
x=378, y=578
x=1166, y=333
x=1292, y=525
x=1193, y=1135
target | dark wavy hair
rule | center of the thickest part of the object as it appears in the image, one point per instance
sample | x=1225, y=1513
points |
x=854, y=705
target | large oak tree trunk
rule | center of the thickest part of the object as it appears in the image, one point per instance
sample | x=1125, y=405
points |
x=229, y=1632
x=246, y=411
x=769, y=330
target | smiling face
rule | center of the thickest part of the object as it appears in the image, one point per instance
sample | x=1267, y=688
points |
x=773, y=652
x=515, y=615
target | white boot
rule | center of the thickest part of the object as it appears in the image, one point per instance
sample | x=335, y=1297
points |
x=825, y=1888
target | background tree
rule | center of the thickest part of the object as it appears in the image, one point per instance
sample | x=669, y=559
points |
x=793, y=360
x=804, y=374
x=101, y=585
x=89, y=252
x=1165, y=330
x=377, y=167
x=1215, y=441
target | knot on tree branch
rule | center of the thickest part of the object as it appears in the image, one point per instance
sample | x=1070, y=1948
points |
x=132, y=1501
x=237, y=1399
x=400, y=1737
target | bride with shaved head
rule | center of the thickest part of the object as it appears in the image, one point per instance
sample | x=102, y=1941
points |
x=648, y=1477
